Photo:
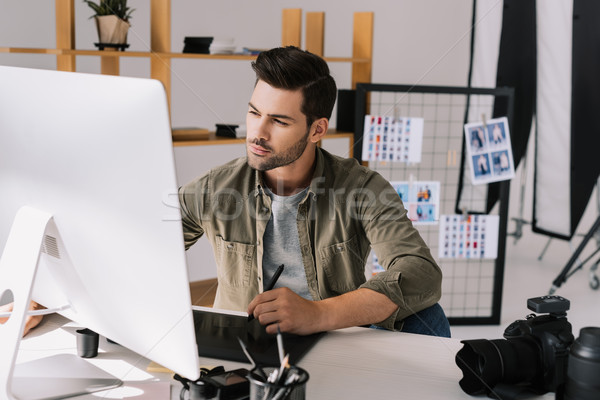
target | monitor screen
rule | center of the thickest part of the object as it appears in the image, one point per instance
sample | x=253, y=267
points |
x=95, y=153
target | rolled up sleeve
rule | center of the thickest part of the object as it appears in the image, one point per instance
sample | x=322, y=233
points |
x=412, y=283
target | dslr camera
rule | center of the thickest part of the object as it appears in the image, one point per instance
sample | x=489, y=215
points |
x=531, y=359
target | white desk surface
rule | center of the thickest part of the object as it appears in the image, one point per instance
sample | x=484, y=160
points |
x=353, y=363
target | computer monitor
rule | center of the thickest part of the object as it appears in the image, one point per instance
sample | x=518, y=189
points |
x=86, y=163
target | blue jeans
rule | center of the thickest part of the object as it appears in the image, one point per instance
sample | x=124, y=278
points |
x=430, y=321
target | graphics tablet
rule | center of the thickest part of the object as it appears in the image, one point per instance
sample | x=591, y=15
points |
x=217, y=333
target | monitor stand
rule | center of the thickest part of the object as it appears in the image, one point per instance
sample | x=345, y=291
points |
x=18, y=268
x=59, y=376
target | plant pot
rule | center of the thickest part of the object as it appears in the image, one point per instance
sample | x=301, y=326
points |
x=111, y=29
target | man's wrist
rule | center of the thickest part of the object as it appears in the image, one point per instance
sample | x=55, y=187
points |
x=325, y=316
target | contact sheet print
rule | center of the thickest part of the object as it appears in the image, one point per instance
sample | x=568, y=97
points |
x=472, y=236
x=395, y=139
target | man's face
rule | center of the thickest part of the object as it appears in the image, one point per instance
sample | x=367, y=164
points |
x=277, y=134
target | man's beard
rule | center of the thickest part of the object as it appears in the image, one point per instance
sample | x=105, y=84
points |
x=277, y=160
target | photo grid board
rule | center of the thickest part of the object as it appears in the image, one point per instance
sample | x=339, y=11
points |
x=471, y=287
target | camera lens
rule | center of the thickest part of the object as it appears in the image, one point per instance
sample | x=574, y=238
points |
x=486, y=363
x=584, y=366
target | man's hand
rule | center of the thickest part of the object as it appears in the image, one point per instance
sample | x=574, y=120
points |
x=291, y=312
x=297, y=315
x=31, y=321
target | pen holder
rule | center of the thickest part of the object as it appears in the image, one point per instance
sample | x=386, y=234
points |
x=263, y=390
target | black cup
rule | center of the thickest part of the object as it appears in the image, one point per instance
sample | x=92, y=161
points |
x=87, y=343
x=259, y=389
x=583, y=372
x=199, y=390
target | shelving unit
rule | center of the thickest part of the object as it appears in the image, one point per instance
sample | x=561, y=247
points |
x=160, y=46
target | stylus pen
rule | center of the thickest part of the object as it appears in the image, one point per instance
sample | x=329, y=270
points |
x=270, y=286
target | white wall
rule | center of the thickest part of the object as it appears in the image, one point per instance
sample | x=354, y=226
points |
x=415, y=41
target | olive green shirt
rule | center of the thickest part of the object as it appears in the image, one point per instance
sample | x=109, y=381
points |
x=347, y=210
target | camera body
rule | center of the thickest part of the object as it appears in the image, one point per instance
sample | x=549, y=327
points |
x=552, y=335
x=532, y=357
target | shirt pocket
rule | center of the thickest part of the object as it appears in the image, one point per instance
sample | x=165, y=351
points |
x=343, y=266
x=234, y=262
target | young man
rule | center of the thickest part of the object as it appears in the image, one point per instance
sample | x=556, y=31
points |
x=290, y=202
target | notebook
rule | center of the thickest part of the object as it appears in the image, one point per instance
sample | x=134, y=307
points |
x=217, y=333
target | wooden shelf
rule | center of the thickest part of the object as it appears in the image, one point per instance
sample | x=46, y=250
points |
x=199, y=136
x=107, y=53
x=202, y=137
x=210, y=139
x=113, y=53
x=23, y=50
x=186, y=134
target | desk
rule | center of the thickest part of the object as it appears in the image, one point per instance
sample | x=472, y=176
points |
x=353, y=363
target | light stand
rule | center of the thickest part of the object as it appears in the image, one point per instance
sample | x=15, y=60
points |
x=564, y=274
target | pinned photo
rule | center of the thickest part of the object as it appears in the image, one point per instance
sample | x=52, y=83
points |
x=402, y=190
x=478, y=140
x=501, y=163
x=421, y=199
x=481, y=164
x=496, y=134
x=422, y=213
x=489, y=151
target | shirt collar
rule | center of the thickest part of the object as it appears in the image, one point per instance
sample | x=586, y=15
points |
x=318, y=176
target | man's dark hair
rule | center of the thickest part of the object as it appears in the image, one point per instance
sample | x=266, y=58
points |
x=291, y=68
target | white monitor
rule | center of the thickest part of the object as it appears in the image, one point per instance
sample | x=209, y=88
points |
x=86, y=161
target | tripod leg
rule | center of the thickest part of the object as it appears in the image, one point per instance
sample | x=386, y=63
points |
x=594, y=281
x=544, y=250
x=562, y=277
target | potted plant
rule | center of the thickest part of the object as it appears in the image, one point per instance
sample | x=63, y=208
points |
x=112, y=22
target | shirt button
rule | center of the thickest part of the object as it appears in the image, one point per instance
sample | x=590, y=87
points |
x=230, y=246
x=265, y=210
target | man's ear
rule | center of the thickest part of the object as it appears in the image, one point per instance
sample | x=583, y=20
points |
x=319, y=129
